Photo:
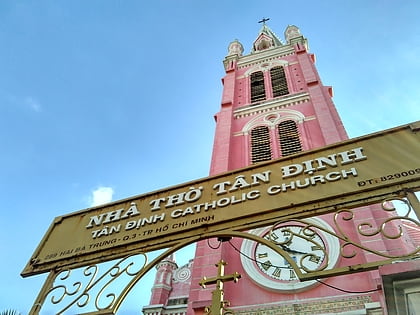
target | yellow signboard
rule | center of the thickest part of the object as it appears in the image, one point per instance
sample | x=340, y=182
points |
x=305, y=184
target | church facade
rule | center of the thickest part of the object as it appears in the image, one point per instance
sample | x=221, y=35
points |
x=273, y=105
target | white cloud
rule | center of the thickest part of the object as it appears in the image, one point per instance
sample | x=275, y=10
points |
x=101, y=195
x=33, y=104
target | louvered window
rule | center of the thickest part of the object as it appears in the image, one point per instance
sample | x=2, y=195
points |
x=289, y=138
x=260, y=144
x=257, y=87
x=278, y=81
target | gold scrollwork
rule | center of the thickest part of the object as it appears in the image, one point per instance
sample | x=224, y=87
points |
x=60, y=290
x=390, y=228
x=307, y=234
x=93, y=284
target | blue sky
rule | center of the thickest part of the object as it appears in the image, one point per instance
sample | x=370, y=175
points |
x=119, y=96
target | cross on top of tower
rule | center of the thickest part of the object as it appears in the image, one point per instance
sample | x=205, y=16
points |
x=263, y=20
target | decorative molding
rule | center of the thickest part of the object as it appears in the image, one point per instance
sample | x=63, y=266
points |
x=265, y=56
x=273, y=118
x=266, y=66
x=283, y=117
x=275, y=104
x=272, y=61
x=314, y=307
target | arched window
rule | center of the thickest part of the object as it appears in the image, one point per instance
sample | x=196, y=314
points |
x=289, y=138
x=274, y=134
x=257, y=87
x=278, y=81
x=260, y=144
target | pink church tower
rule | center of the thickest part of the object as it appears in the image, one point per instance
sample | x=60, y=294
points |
x=163, y=284
x=170, y=289
x=274, y=105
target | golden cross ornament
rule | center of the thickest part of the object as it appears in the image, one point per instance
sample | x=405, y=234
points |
x=218, y=305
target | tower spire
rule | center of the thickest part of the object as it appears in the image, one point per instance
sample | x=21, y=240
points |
x=266, y=38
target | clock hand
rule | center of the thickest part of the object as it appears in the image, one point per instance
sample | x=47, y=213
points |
x=292, y=251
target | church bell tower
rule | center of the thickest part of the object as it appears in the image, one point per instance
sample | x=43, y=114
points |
x=273, y=105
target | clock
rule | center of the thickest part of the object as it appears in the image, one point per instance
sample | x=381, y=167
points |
x=183, y=274
x=310, y=248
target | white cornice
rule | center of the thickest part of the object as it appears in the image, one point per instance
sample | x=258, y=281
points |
x=162, y=286
x=274, y=104
x=265, y=56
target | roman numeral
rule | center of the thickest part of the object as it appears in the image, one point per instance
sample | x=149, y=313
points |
x=271, y=236
x=286, y=232
x=314, y=259
x=316, y=247
x=266, y=265
x=276, y=273
x=292, y=274
x=262, y=255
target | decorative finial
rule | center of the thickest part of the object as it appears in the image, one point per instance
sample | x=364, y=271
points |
x=218, y=305
x=263, y=20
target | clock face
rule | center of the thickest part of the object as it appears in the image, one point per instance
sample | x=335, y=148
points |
x=307, y=247
x=305, y=251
